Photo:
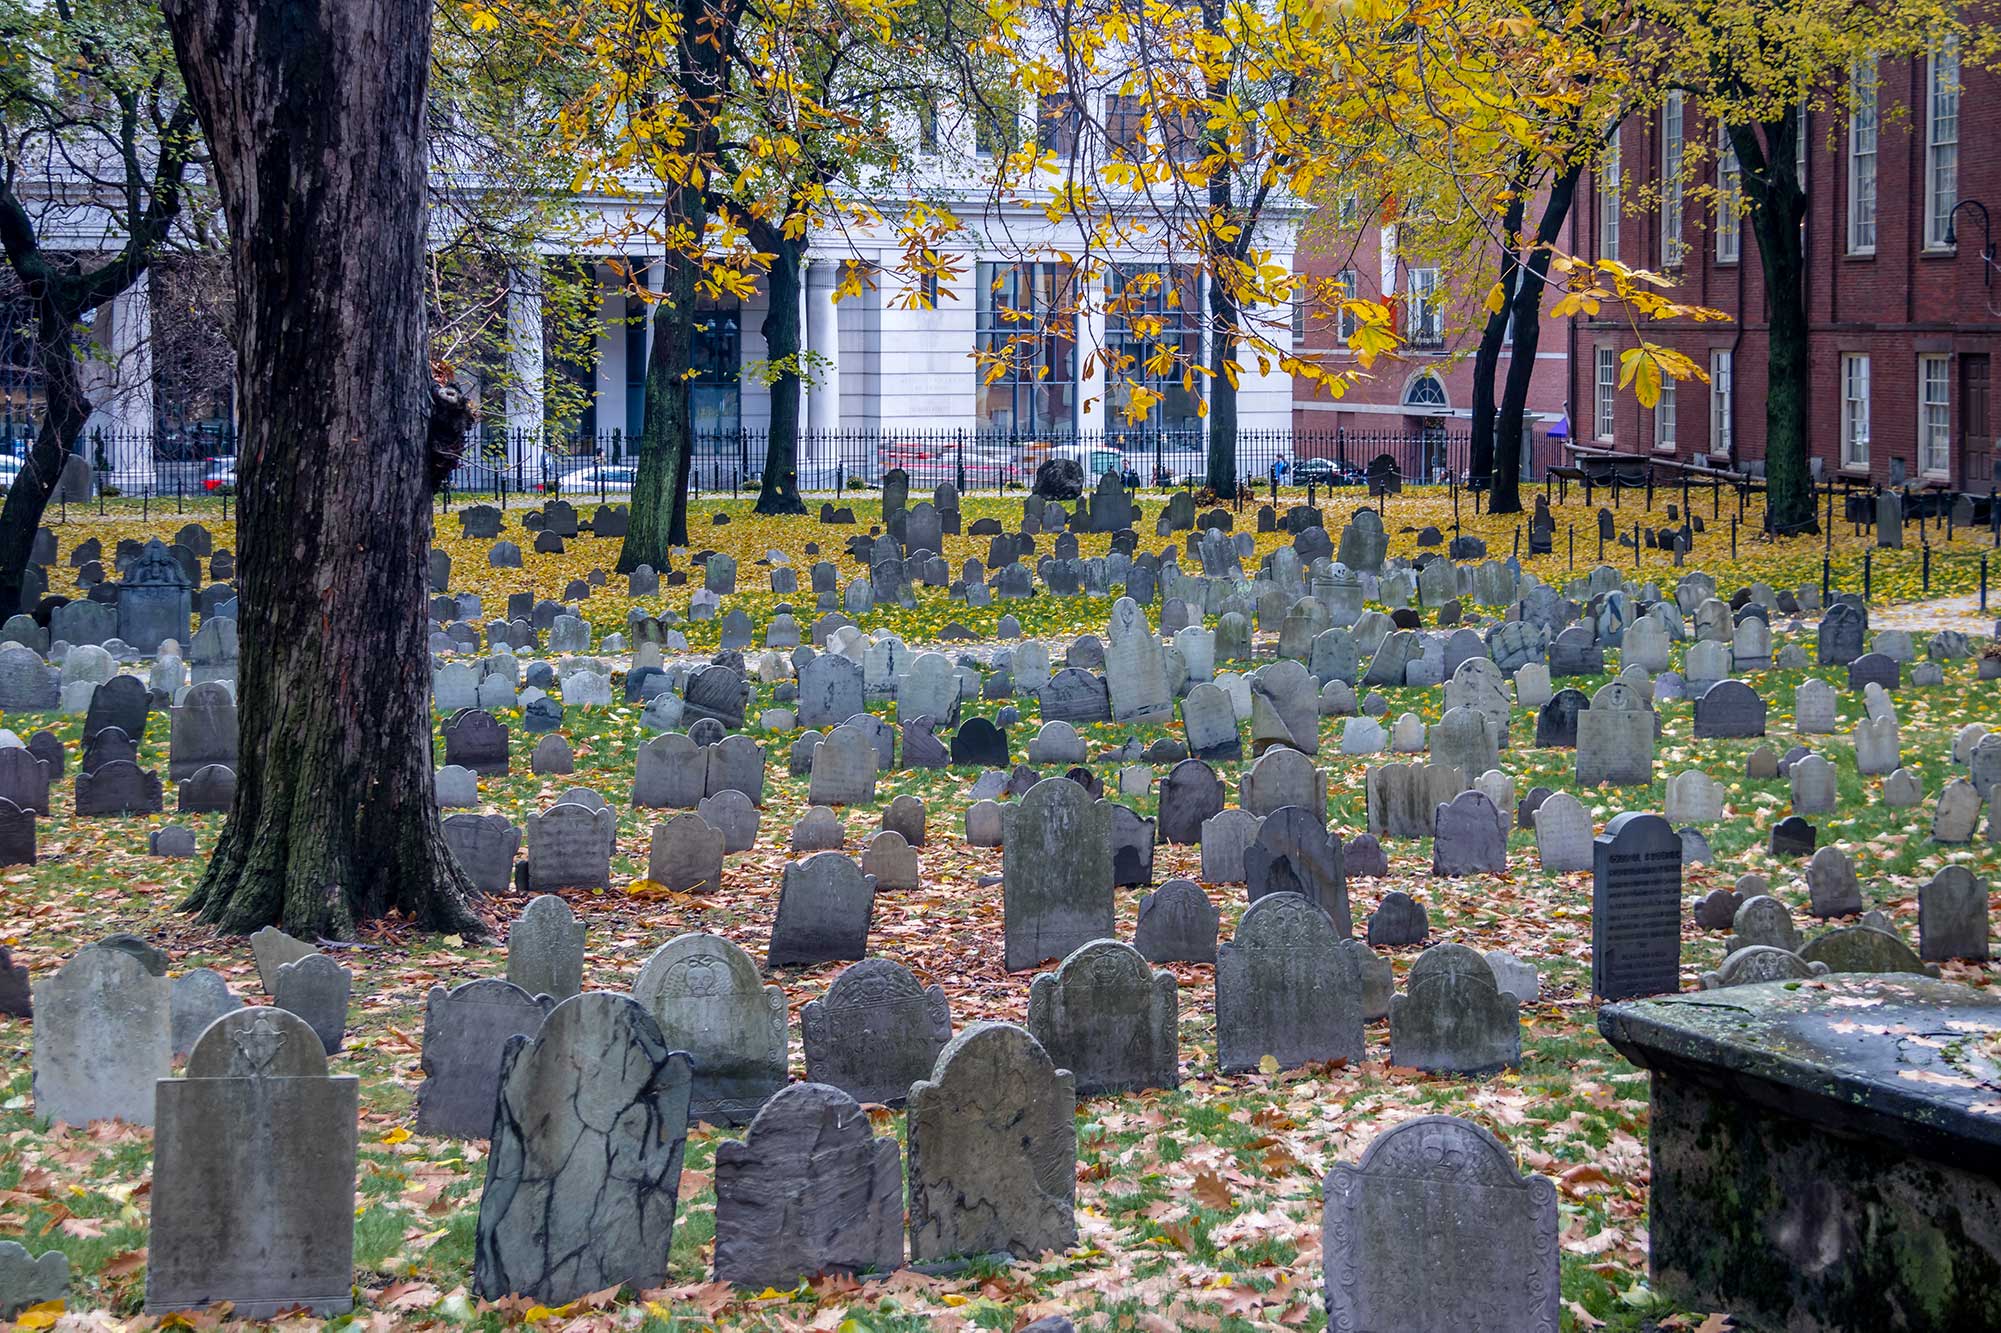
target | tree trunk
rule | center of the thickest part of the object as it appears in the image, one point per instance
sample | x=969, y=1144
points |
x=1530, y=279
x=1775, y=206
x=1487, y=360
x=64, y=413
x=659, y=516
x=314, y=114
x=778, y=492
x=1222, y=392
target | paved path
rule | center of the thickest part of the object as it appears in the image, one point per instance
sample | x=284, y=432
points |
x=1961, y=613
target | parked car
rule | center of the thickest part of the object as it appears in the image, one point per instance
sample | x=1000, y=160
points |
x=596, y=480
x=10, y=468
x=219, y=476
x=1327, y=472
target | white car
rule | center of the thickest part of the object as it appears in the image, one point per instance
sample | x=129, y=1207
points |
x=598, y=481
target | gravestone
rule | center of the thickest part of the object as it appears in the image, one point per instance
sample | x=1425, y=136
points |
x=993, y=1149
x=1635, y=908
x=102, y=1037
x=27, y=1281
x=155, y=600
x=1793, y=837
x=194, y=1000
x=1615, y=739
x=1293, y=853
x=1453, y=1017
x=585, y=1170
x=485, y=848
x=1057, y=873
x=1952, y=917
x=875, y=1032
x=810, y=1191
x=316, y=988
x=706, y=995
x=824, y=906
x=268, y=1229
x=1177, y=924
x=545, y=949
x=466, y=1032
x=474, y=739
x=1468, y=838
x=1729, y=709
x=1434, y=1231
x=1109, y=1018
x=686, y=855
x=1832, y=889
x=569, y=847
x=1285, y=990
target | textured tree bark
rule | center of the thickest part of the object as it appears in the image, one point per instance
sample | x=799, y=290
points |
x=1776, y=207
x=1530, y=279
x=65, y=410
x=1487, y=359
x=659, y=514
x=778, y=492
x=314, y=114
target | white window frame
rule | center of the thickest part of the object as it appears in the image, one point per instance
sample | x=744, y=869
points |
x=1605, y=407
x=1425, y=324
x=1855, y=412
x=1942, y=89
x=1350, y=283
x=1666, y=418
x=1862, y=157
x=1935, y=414
x=1729, y=204
x=1722, y=428
x=1609, y=200
x=1672, y=249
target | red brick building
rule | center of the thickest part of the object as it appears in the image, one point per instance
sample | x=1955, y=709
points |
x=1426, y=389
x=1904, y=326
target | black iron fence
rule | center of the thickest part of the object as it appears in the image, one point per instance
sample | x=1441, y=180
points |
x=499, y=462
x=835, y=461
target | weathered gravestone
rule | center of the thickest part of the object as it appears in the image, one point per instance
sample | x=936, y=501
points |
x=875, y=1032
x=545, y=949
x=585, y=1170
x=466, y=1031
x=809, y=1191
x=27, y=1280
x=1109, y=1018
x=706, y=995
x=316, y=988
x=993, y=1149
x=569, y=847
x=253, y=1174
x=485, y=847
x=195, y=1000
x=1433, y=1231
x=1293, y=853
x=1177, y=924
x=1636, y=908
x=1285, y=990
x=686, y=855
x=825, y=903
x=1952, y=916
x=102, y=1037
x=1453, y=1017
x=1056, y=873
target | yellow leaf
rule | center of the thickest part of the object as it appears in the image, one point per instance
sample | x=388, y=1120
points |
x=1267, y=1065
x=1496, y=298
x=44, y=1315
x=396, y=1135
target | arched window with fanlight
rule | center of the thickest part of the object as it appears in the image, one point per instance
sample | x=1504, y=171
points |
x=1426, y=393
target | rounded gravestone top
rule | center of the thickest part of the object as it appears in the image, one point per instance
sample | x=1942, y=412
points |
x=264, y=1042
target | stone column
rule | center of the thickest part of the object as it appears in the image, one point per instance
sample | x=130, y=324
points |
x=119, y=380
x=526, y=401
x=818, y=456
x=1088, y=368
x=611, y=353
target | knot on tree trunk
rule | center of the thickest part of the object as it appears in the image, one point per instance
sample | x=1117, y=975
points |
x=452, y=417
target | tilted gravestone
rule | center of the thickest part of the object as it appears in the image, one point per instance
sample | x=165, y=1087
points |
x=195, y=1000
x=993, y=1149
x=1285, y=990
x=102, y=1037
x=825, y=903
x=1056, y=874
x=709, y=1000
x=875, y=1032
x=686, y=855
x=809, y=1191
x=1190, y=794
x=264, y=1230
x=466, y=1031
x=1293, y=853
x=585, y=1171
x=1636, y=908
x=1433, y=1231
x=1109, y=1018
